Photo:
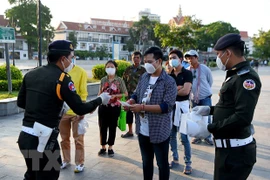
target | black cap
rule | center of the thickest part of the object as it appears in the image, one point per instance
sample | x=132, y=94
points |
x=227, y=41
x=61, y=45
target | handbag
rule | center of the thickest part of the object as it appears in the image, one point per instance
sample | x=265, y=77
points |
x=122, y=117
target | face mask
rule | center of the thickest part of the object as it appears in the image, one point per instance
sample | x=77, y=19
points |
x=150, y=69
x=110, y=71
x=220, y=65
x=174, y=62
x=67, y=69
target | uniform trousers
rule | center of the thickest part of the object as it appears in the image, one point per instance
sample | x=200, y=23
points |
x=40, y=166
x=67, y=123
x=234, y=163
x=107, y=119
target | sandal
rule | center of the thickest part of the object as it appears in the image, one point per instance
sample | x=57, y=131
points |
x=127, y=135
x=187, y=170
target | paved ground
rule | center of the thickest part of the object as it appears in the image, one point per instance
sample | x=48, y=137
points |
x=127, y=161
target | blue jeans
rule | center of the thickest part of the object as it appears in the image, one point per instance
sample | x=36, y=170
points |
x=187, y=149
x=173, y=143
x=185, y=142
x=204, y=102
x=148, y=150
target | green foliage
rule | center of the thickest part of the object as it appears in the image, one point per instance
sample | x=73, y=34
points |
x=73, y=39
x=98, y=71
x=181, y=37
x=142, y=32
x=207, y=35
x=16, y=74
x=24, y=12
x=6, y=94
x=102, y=52
x=262, y=45
x=212, y=64
x=16, y=85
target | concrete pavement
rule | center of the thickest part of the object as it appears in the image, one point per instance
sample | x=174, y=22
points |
x=127, y=164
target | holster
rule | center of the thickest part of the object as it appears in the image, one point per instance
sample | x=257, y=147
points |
x=52, y=140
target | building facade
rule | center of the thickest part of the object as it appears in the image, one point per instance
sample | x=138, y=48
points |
x=98, y=32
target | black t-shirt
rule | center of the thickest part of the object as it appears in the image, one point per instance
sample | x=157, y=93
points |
x=183, y=77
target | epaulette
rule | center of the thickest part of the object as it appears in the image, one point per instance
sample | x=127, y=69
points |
x=242, y=71
x=59, y=83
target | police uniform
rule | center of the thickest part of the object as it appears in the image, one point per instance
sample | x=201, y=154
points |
x=38, y=96
x=235, y=152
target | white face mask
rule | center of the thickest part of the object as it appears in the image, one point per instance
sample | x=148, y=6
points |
x=67, y=69
x=174, y=62
x=220, y=65
x=110, y=71
x=150, y=69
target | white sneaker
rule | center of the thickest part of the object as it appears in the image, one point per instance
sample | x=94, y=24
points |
x=64, y=165
x=79, y=168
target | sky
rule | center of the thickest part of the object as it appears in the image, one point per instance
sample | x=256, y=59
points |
x=245, y=15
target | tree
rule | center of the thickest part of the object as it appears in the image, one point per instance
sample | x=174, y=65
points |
x=24, y=12
x=102, y=52
x=262, y=45
x=142, y=33
x=72, y=37
x=181, y=37
x=207, y=35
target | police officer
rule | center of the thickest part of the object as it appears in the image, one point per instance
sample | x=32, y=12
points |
x=42, y=95
x=235, y=152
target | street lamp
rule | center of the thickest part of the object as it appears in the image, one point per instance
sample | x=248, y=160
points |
x=16, y=28
x=39, y=32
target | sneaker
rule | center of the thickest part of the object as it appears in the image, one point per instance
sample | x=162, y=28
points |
x=64, y=165
x=102, y=152
x=127, y=135
x=196, y=141
x=173, y=164
x=208, y=141
x=79, y=168
x=110, y=153
x=187, y=170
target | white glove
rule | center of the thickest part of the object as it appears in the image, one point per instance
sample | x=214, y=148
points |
x=105, y=98
x=201, y=110
x=203, y=131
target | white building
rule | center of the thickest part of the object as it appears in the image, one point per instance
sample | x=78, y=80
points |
x=98, y=32
x=248, y=41
x=147, y=13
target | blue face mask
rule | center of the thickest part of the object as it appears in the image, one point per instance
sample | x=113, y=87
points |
x=174, y=62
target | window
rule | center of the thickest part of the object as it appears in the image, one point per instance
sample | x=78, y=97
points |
x=82, y=45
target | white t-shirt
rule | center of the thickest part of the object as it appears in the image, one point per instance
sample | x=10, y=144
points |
x=144, y=128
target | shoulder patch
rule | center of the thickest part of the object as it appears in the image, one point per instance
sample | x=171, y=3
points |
x=242, y=71
x=71, y=86
x=249, y=84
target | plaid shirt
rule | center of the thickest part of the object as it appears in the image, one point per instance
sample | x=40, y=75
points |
x=164, y=91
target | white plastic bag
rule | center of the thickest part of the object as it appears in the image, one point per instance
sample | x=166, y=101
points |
x=82, y=126
x=194, y=125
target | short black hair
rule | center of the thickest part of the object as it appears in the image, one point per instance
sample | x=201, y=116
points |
x=157, y=52
x=111, y=61
x=54, y=56
x=238, y=49
x=177, y=52
x=137, y=53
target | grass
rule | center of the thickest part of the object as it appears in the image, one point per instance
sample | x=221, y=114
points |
x=6, y=94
